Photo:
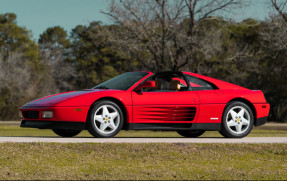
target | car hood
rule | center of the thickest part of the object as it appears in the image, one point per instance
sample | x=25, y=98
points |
x=58, y=99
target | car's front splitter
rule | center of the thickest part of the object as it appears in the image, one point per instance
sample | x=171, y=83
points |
x=53, y=124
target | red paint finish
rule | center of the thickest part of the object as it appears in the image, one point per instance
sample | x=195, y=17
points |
x=262, y=110
x=210, y=113
x=163, y=114
x=196, y=106
x=153, y=103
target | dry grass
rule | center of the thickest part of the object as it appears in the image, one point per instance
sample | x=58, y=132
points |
x=143, y=161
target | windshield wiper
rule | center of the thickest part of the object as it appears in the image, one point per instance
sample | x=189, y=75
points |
x=101, y=87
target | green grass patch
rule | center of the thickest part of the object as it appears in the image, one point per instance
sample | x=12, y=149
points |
x=142, y=161
x=15, y=130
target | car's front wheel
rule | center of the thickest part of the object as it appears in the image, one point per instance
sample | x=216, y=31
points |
x=237, y=120
x=105, y=120
x=66, y=132
x=191, y=134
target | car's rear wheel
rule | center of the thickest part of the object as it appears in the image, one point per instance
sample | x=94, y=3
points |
x=66, y=132
x=105, y=119
x=191, y=134
x=237, y=120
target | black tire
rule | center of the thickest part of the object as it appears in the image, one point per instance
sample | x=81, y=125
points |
x=93, y=126
x=191, y=134
x=228, y=132
x=66, y=132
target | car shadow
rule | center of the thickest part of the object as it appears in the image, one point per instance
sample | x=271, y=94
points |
x=171, y=137
x=108, y=138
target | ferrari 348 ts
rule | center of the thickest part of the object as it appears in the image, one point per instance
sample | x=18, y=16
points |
x=185, y=102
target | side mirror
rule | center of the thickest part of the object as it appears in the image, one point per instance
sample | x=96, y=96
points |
x=150, y=84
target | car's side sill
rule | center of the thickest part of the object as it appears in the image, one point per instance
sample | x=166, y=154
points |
x=53, y=124
x=175, y=126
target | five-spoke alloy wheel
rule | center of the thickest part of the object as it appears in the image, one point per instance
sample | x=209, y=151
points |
x=237, y=120
x=106, y=119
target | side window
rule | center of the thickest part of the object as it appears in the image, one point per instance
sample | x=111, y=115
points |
x=167, y=83
x=199, y=84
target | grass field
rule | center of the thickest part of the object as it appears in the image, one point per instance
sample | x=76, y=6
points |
x=263, y=131
x=152, y=161
x=143, y=161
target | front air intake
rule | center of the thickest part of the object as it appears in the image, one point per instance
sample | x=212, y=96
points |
x=31, y=114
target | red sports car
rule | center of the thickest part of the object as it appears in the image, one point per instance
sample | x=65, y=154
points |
x=185, y=102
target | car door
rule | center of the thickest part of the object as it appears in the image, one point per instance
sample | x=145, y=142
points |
x=165, y=106
x=211, y=100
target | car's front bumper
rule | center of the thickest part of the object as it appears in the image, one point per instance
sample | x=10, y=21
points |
x=53, y=124
x=65, y=114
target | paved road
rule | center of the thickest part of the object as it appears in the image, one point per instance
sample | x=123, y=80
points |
x=144, y=140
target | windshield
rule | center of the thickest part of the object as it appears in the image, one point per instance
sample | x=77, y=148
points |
x=122, y=82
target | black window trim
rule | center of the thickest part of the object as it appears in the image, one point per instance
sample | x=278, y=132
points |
x=189, y=87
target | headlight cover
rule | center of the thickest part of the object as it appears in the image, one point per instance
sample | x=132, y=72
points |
x=47, y=114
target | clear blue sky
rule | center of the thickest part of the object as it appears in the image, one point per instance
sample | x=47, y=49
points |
x=38, y=15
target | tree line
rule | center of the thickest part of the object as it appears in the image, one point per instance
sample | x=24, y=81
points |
x=153, y=35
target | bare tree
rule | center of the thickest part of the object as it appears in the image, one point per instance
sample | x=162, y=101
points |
x=280, y=7
x=160, y=33
x=20, y=84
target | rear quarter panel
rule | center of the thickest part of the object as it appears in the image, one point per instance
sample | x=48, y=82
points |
x=255, y=97
x=226, y=93
x=213, y=103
